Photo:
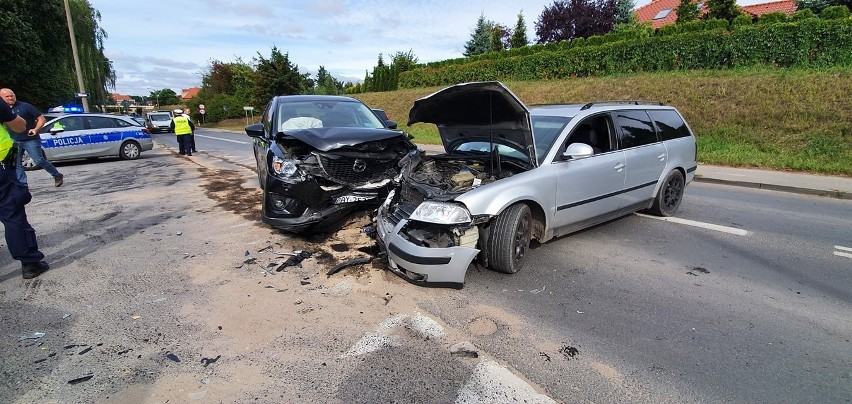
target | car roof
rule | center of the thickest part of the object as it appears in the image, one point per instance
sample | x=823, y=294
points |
x=309, y=97
x=597, y=106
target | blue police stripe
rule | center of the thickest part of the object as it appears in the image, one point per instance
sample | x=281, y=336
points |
x=98, y=138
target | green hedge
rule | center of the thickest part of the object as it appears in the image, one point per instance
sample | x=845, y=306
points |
x=806, y=43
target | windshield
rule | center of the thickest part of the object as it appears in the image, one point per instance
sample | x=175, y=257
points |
x=325, y=114
x=545, y=131
x=160, y=117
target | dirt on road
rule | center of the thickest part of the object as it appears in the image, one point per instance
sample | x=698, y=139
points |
x=165, y=287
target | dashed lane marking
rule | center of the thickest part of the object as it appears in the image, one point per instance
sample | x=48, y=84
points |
x=844, y=251
x=709, y=226
x=492, y=383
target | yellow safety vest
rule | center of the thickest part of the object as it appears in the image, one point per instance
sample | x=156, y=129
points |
x=182, y=125
x=6, y=142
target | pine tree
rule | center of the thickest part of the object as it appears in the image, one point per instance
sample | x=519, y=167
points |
x=519, y=35
x=480, y=40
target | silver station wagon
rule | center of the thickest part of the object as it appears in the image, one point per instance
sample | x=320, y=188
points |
x=511, y=174
x=76, y=136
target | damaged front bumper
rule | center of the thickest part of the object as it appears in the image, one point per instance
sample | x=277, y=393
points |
x=423, y=266
x=303, y=205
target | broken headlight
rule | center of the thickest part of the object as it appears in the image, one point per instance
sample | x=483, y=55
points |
x=287, y=168
x=441, y=213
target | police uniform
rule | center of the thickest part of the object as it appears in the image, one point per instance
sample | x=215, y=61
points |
x=20, y=236
x=183, y=127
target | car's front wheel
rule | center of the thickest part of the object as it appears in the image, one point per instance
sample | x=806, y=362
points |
x=509, y=239
x=130, y=150
x=670, y=195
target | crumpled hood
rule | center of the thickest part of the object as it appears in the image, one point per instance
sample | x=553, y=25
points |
x=326, y=139
x=478, y=111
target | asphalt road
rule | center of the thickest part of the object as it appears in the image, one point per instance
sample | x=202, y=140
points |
x=745, y=299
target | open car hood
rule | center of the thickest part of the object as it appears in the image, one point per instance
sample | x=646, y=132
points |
x=479, y=111
x=326, y=139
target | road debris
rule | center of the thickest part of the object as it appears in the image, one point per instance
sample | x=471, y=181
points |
x=464, y=349
x=81, y=379
x=569, y=352
x=36, y=335
x=208, y=361
x=295, y=260
x=345, y=264
x=172, y=357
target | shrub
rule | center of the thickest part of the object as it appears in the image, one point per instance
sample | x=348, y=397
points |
x=772, y=18
x=741, y=20
x=803, y=15
x=834, y=13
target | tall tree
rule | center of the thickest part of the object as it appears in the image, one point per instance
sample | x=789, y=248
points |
x=499, y=37
x=566, y=20
x=326, y=84
x=818, y=5
x=278, y=76
x=480, y=38
x=687, y=11
x=36, y=58
x=519, y=34
x=624, y=11
x=722, y=9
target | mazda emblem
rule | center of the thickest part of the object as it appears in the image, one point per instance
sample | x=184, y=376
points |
x=359, y=166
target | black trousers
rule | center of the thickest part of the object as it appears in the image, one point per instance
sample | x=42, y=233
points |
x=183, y=144
x=20, y=236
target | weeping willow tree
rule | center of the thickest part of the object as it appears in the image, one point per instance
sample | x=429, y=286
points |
x=36, y=60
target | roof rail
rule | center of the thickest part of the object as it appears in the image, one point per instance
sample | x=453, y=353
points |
x=634, y=102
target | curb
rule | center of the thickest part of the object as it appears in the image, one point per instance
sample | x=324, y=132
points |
x=775, y=187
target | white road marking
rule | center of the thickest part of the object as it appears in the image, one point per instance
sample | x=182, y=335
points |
x=844, y=251
x=418, y=325
x=492, y=383
x=709, y=226
x=224, y=140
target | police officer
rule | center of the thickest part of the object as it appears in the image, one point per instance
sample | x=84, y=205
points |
x=182, y=127
x=20, y=236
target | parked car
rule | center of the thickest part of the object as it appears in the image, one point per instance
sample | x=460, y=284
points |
x=158, y=121
x=77, y=136
x=511, y=174
x=320, y=158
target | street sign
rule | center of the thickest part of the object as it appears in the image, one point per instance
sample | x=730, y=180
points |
x=201, y=109
x=81, y=95
x=248, y=108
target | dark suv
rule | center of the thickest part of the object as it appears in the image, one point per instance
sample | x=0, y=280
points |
x=320, y=158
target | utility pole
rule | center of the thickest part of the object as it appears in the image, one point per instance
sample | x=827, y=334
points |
x=76, y=58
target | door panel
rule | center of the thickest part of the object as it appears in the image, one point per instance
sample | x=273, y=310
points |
x=71, y=142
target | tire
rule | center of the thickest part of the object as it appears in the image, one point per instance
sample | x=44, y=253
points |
x=509, y=239
x=28, y=162
x=129, y=150
x=670, y=195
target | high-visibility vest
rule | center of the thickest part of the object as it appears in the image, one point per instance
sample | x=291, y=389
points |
x=6, y=142
x=182, y=125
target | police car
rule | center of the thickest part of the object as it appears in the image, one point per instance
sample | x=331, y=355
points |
x=77, y=136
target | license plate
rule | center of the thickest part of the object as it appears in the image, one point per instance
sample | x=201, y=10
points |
x=352, y=198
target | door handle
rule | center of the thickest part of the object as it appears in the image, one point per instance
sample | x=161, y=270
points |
x=618, y=167
x=661, y=157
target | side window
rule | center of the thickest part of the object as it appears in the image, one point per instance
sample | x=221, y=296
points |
x=636, y=128
x=595, y=131
x=121, y=124
x=68, y=123
x=99, y=122
x=669, y=123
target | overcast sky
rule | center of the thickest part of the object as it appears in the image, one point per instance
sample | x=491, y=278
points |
x=159, y=44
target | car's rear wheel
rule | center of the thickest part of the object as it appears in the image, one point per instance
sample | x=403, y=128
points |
x=670, y=195
x=28, y=162
x=509, y=239
x=130, y=150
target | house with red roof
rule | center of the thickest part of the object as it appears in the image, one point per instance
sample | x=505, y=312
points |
x=189, y=93
x=662, y=12
x=118, y=98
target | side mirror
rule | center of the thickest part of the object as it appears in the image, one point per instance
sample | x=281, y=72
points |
x=391, y=124
x=578, y=151
x=56, y=130
x=255, y=130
